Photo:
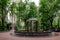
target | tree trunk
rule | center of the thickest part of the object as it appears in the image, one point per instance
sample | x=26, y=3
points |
x=2, y=18
x=51, y=21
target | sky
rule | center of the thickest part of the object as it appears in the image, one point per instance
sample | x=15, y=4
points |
x=36, y=1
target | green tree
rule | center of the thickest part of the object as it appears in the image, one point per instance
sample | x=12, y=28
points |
x=19, y=9
x=33, y=10
x=13, y=9
x=3, y=12
x=25, y=10
x=48, y=9
x=21, y=12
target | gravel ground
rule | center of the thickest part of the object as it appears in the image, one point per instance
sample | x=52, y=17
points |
x=7, y=36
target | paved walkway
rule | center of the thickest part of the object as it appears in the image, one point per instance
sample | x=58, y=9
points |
x=7, y=36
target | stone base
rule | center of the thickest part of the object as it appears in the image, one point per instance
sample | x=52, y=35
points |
x=34, y=34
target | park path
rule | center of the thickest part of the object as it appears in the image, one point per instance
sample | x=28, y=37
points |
x=7, y=36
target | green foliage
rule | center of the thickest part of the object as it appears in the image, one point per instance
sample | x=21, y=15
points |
x=20, y=14
x=13, y=8
x=48, y=9
x=26, y=10
x=18, y=9
x=3, y=28
x=3, y=13
x=32, y=11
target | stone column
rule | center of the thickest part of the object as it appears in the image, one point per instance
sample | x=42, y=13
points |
x=32, y=26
